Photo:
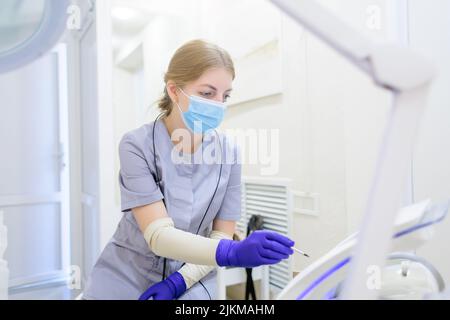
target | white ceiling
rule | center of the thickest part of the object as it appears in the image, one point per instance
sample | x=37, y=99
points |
x=124, y=30
x=143, y=12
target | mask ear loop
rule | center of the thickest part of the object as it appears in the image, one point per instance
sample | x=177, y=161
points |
x=187, y=96
x=178, y=105
x=184, y=93
x=181, y=111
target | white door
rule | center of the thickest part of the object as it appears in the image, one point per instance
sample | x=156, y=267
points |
x=89, y=147
x=34, y=186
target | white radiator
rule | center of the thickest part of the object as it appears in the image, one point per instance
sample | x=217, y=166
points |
x=270, y=198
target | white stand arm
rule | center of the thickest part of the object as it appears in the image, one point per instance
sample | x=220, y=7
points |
x=408, y=76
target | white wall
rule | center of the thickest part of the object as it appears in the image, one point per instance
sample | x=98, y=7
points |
x=429, y=34
x=125, y=114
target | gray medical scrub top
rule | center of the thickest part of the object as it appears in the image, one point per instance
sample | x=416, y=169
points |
x=127, y=267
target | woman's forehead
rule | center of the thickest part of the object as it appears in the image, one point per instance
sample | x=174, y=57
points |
x=217, y=79
x=210, y=86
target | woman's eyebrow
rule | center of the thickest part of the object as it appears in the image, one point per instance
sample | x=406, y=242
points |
x=214, y=88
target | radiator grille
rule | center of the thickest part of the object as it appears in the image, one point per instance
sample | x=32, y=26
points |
x=271, y=199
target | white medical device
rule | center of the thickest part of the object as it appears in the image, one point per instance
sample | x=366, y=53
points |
x=406, y=276
x=408, y=76
x=29, y=29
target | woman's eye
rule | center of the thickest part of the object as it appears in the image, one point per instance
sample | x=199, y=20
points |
x=206, y=94
x=226, y=98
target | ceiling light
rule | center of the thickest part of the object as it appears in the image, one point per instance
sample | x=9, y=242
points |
x=123, y=13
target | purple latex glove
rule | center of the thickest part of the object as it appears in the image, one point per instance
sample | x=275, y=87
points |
x=261, y=247
x=171, y=288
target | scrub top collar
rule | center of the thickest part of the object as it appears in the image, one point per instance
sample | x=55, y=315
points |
x=206, y=139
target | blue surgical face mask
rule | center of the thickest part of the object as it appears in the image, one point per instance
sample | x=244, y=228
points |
x=203, y=114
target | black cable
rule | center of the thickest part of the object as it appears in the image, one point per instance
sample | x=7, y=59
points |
x=157, y=180
x=154, y=150
x=217, y=186
x=210, y=202
x=164, y=269
x=205, y=289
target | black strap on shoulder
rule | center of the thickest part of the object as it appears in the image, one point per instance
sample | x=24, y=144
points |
x=157, y=179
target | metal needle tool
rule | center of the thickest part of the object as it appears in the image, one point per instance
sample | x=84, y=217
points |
x=300, y=251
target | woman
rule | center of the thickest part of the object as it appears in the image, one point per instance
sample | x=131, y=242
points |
x=180, y=208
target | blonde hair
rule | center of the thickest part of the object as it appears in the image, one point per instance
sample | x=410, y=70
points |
x=189, y=63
